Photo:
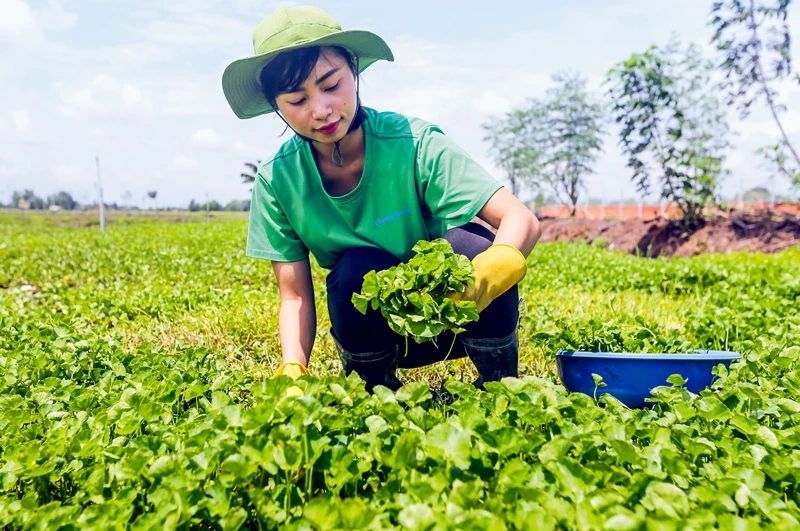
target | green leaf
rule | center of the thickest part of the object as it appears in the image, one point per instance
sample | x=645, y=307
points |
x=162, y=466
x=233, y=520
x=417, y=517
x=454, y=443
x=356, y=514
x=414, y=393
x=340, y=394
x=666, y=500
x=677, y=380
x=767, y=437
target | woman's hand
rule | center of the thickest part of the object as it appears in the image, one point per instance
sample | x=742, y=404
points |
x=293, y=370
x=497, y=269
x=503, y=264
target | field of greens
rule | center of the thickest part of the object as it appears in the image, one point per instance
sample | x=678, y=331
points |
x=135, y=394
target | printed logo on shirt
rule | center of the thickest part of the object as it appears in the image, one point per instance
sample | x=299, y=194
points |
x=392, y=217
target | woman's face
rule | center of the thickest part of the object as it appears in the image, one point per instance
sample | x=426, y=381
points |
x=324, y=106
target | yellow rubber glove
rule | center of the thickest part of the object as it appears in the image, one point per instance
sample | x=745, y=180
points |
x=293, y=369
x=497, y=269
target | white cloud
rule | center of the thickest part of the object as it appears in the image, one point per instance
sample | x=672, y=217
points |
x=103, y=95
x=241, y=146
x=206, y=137
x=183, y=162
x=141, y=53
x=22, y=28
x=21, y=121
x=188, y=95
x=55, y=17
x=491, y=103
x=17, y=23
x=72, y=174
x=193, y=28
x=8, y=161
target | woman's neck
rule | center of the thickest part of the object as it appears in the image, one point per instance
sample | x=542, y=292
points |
x=352, y=146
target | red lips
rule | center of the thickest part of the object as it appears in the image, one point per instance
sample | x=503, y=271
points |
x=329, y=129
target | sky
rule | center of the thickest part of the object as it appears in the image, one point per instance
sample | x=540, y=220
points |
x=138, y=85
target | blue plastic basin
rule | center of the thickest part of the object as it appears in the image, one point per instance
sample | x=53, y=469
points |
x=629, y=377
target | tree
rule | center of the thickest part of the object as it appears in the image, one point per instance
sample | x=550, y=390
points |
x=509, y=147
x=152, y=195
x=37, y=203
x=194, y=206
x=753, y=39
x=250, y=175
x=757, y=195
x=779, y=162
x=238, y=205
x=673, y=129
x=212, y=205
x=553, y=142
x=568, y=134
x=63, y=200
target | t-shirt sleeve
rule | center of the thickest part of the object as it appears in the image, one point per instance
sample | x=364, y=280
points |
x=269, y=234
x=453, y=186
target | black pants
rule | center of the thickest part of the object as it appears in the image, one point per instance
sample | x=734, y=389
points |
x=371, y=333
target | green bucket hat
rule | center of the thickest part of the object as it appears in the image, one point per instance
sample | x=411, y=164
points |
x=289, y=28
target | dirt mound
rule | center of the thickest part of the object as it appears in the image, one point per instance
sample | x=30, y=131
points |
x=766, y=232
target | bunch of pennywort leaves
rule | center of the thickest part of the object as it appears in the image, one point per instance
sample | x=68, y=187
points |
x=411, y=295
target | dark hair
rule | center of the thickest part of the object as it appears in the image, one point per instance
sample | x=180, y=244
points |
x=289, y=70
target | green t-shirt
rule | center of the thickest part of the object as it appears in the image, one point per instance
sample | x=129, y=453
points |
x=416, y=185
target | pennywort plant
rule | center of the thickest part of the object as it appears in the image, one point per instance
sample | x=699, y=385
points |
x=411, y=295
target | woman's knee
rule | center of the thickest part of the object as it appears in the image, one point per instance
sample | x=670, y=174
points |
x=470, y=239
x=355, y=331
x=498, y=319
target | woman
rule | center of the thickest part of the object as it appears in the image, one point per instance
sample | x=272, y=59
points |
x=358, y=188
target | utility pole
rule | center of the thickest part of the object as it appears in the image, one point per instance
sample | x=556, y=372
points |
x=100, y=193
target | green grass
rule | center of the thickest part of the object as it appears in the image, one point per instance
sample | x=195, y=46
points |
x=175, y=284
x=134, y=392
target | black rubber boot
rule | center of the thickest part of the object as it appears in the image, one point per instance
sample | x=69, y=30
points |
x=495, y=358
x=375, y=368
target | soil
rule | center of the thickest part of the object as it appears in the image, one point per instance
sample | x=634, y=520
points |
x=765, y=231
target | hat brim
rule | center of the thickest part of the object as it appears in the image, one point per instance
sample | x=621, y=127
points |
x=240, y=80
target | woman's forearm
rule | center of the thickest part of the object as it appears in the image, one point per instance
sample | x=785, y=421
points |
x=297, y=327
x=519, y=228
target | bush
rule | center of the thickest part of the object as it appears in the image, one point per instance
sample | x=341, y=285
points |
x=601, y=243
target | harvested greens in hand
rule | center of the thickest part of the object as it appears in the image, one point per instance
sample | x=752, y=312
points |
x=411, y=295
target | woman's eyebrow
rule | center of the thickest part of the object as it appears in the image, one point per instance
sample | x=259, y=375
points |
x=321, y=79
x=328, y=74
